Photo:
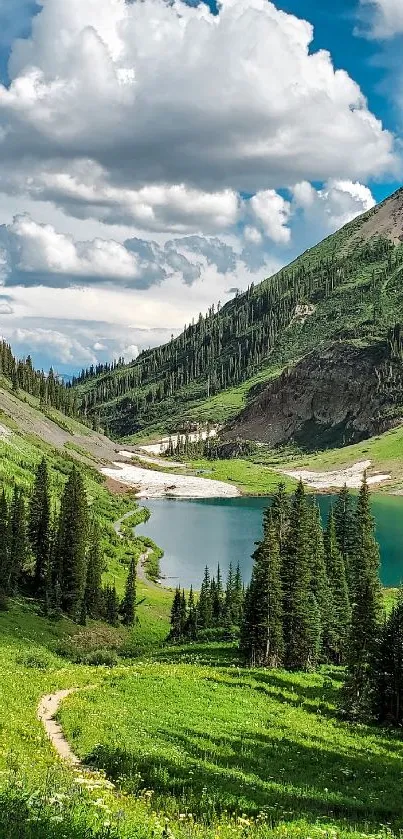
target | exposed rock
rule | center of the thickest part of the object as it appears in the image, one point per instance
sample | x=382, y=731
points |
x=335, y=396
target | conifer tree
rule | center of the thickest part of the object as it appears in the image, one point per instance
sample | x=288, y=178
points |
x=217, y=599
x=93, y=583
x=111, y=605
x=296, y=581
x=387, y=675
x=191, y=621
x=129, y=600
x=280, y=514
x=320, y=588
x=229, y=597
x=367, y=608
x=204, y=606
x=4, y=544
x=71, y=541
x=261, y=631
x=176, y=617
x=237, y=598
x=39, y=525
x=183, y=614
x=341, y=608
x=345, y=531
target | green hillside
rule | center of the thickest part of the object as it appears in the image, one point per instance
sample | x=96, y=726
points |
x=349, y=287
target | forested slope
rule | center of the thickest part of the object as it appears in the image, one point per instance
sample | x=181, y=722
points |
x=347, y=287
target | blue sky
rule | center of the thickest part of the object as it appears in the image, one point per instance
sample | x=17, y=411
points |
x=143, y=179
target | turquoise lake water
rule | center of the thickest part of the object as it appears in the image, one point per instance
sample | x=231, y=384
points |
x=196, y=533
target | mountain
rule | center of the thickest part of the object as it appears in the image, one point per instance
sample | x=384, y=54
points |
x=346, y=289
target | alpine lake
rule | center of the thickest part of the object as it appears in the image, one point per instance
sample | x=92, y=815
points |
x=196, y=533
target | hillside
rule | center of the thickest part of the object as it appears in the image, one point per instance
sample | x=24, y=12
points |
x=346, y=288
x=335, y=396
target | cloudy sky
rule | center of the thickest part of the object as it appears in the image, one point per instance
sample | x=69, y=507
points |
x=157, y=156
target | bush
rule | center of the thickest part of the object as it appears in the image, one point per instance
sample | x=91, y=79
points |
x=37, y=660
x=95, y=645
x=3, y=602
x=108, y=658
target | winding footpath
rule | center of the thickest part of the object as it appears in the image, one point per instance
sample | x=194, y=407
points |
x=141, y=571
x=47, y=710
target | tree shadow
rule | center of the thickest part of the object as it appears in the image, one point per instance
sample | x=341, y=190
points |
x=256, y=772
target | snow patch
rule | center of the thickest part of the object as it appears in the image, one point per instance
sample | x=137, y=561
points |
x=352, y=477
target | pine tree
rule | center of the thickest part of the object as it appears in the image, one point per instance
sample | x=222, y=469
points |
x=319, y=582
x=387, y=674
x=39, y=525
x=261, y=631
x=111, y=605
x=191, y=621
x=237, y=598
x=93, y=584
x=176, y=617
x=4, y=545
x=341, y=608
x=296, y=581
x=367, y=609
x=217, y=599
x=71, y=542
x=280, y=514
x=129, y=600
x=345, y=531
x=204, y=606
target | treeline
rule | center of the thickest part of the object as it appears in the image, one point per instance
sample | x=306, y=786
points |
x=57, y=556
x=48, y=388
x=96, y=370
x=228, y=345
x=218, y=607
x=308, y=582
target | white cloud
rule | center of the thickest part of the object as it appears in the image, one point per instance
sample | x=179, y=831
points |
x=273, y=213
x=161, y=93
x=62, y=348
x=41, y=250
x=335, y=205
x=385, y=17
x=85, y=193
x=252, y=235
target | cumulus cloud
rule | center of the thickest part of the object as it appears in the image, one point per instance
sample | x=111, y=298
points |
x=61, y=347
x=273, y=212
x=384, y=17
x=335, y=205
x=190, y=100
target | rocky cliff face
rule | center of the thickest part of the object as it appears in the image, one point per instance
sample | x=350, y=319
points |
x=336, y=396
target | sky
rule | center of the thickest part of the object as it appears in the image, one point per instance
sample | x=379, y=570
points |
x=157, y=156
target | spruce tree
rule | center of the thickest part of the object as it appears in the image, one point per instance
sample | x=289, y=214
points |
x=4, y=545
x=176, y=617
x=71, y=542
x=367, y=609
x=261, y=630
x=387, y=671
x=280, y=514
x=129, y=600
x=191, y=621
x=341, y=608
x=93, y=583
x=39, y=525
x=345, y=531
x=217, y=599
x=296, y=581
x=237, y=598
x=111, y=605
x=319, y=581
x=204, y=606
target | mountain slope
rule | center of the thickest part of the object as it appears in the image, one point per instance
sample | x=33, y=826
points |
x=335, y=396
x=347, y=287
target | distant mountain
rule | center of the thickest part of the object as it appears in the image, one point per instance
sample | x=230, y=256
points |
x=346, y=289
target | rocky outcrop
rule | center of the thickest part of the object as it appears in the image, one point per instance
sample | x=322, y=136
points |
x=335, y=396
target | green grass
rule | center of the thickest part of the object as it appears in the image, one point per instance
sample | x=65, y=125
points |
x=253, y=744
x=250, y=478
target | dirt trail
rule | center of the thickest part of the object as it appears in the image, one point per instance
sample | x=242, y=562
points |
x=47, y=710
x=141, y=571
